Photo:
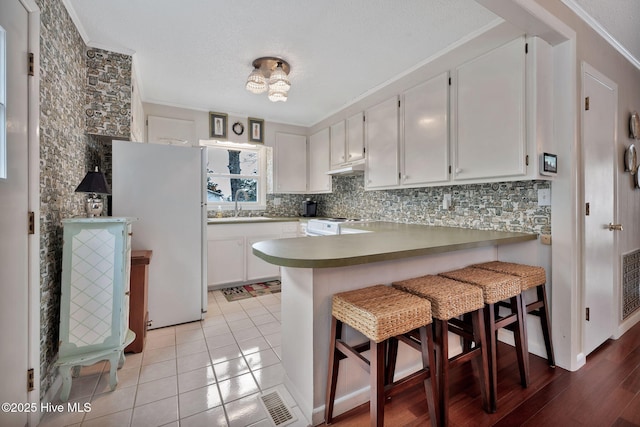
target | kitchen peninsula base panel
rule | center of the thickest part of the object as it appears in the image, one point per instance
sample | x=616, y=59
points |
x=306, y=320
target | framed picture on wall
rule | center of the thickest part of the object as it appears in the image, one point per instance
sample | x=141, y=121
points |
x=256, y=130
x=217, y=125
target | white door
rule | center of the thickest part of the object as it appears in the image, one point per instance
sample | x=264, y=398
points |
x=13, y=213
x=598, y=136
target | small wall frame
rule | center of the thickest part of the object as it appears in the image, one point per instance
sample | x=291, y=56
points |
x=217, y=125
x=256, y=130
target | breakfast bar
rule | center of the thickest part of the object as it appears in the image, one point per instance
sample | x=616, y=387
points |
x=313, y=269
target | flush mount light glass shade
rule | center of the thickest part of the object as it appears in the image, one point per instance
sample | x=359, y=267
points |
x=279, y=81
x=277, y=96
x=256, y=82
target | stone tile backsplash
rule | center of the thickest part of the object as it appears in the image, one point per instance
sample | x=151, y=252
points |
x=505, y=206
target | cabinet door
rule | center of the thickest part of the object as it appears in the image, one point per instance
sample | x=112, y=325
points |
x=425, y=146
x=319, y=181
x=490, y=111
x=290, y=163
x=382, y=145
x=225, y=261
x=338, y=144
x=355, y=137
x=258, y=269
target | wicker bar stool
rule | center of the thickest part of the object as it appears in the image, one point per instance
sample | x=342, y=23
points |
x=451, y=299
x=380, y=313
x=497, y=287
x=530, y=277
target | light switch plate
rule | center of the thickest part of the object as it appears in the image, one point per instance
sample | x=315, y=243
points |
x=544, y=197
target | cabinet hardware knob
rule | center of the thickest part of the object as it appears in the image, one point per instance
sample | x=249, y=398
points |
x=458, y=170
x=615, y=227
x=127, y=293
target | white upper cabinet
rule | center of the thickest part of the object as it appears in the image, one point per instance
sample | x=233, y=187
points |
x=424, y=146
x=489, y=118
x=347, y=141
x=290, y=163
x=382, y=145
x=319, y=163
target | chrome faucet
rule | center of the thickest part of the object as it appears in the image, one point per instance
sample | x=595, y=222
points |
x=236, y=211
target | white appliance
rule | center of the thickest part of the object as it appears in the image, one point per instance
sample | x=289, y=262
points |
x=333, y=226
x=164, y=186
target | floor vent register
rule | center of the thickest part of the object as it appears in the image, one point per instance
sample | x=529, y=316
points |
x=280, y=414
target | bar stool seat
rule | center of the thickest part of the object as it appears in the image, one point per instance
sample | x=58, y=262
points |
x=530, y=277
x=380, y=313
x=495, y=288
x=449, y=300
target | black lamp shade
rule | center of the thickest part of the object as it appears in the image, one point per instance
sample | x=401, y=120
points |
x=94, y=182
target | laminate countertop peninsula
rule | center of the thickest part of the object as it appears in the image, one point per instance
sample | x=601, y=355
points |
x=385, y=241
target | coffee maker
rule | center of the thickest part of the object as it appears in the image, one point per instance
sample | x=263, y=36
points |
x=309, y=207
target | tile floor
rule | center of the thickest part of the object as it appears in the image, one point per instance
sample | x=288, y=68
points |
x=208, y=373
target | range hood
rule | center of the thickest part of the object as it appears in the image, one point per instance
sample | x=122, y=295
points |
x=356, y=168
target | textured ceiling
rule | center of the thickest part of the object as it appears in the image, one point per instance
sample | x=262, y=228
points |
x=197, y=53
x=619, y=18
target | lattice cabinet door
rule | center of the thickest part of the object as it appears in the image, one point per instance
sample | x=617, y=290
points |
x=94, y=306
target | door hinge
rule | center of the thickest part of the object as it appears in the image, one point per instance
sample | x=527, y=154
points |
x=586, y=209
x=398, y=103
x=31, y=228
x=30, y=380
x=587, y=314
x=449, y=169
x=364, y=150
x=30, y=65
x=526, y=160
x=526, y=48
x=364, y=118
x=586, y=103
x=449, y=81
x=399, y=175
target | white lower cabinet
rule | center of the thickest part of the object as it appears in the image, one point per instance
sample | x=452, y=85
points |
x=230, y=253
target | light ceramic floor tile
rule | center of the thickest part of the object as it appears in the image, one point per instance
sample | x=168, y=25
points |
x=199, y=400
x=245, y=411
x=159, y=355
x=278, y=351
x=245, y=334
x=188, y=326
x=274, y=340
x=220, y=354
x=132, y=360
x=237, y=387
x=173, y=424
x=126, y=378
x=269, y=377
x=110, y=402
x=212, y=417
x=230, y=368
x=213, y=320
x=189, y=335
x=253, y=345
x=257, y=311
x=262, y=359
x=216, y=330
x=156, y=413
x=159, y=341
x=193, y=361
x=263, y=318
x=220, y=340
x=230, y=308
x=200, y=377
x=269, y=328
x=83, y=386
x=191, y=347
x=96, y=368
x=117, y=419
x=241, y=324
x=169, y=330
x=157, y=390
x=156, y=371
x=64, y=418
x=278, y=316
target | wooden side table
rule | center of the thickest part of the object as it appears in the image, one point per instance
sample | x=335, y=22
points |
x=138, y=312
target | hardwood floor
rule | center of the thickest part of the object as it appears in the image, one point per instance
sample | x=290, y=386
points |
x=605, y=392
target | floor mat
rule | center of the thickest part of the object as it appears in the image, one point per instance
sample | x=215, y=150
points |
x=253, y=290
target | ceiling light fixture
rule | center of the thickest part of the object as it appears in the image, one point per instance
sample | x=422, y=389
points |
x=270, y=73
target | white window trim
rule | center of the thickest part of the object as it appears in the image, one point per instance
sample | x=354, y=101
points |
x=261, y=204
x=3, y=104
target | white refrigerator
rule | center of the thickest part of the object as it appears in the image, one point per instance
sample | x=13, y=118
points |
x=164, y=186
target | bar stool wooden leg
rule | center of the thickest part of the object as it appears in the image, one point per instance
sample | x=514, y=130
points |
x=332, y=375
x=376, y=408
x=430, y=384
x=490, y=326
x=520, y=339
x=479, y=336
x=545, y=322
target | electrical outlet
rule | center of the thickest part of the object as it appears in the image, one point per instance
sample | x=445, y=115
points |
x=276, y=201
x=446, y=201
x=544, y=197
x=545, y=239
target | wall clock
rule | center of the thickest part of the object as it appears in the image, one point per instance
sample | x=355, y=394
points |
x=634, y=125
x=238, y=128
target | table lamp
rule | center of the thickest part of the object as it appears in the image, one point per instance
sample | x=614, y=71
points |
x=94, y=184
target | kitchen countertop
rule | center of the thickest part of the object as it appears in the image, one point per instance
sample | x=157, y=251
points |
x=388, y=241
x=252, y=219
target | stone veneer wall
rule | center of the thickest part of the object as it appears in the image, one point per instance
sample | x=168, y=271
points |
x=505, y=206
x=108, y=93
x=67, y=152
